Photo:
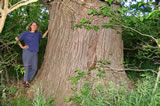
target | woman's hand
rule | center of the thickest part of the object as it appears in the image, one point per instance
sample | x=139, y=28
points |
x=48, y=27
x=44, y=35
x=25, y=47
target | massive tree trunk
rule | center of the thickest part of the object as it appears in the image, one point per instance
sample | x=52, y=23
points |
x=68, y=49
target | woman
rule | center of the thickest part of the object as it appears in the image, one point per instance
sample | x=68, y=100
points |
x=30, y=50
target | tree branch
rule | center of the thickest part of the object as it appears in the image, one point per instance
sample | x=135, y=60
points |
x=142, y=34
x=20, y=3
x=4, y=11
x=1, y=3
x=1, y=6
x=1, y=10
x=139, y=32
x=130, y=69
x=6, y=4
x=155, y=86
x=109, y=68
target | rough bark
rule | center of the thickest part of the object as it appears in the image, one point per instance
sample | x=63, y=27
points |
x=68, y=49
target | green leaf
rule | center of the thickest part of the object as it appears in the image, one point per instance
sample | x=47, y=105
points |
x=13, y=42
x=121, y=10
x=78, y=25
x=96, y=28
x=73, y=26
x=90, y=69
x=67, y=99
x=100, y=61
x=96, y=12
x=143, y=75
x=1, y=68
x=78, y=71
x=148, y=16
x=158, y=41
x=141, y=19
x=105, y=25
x=74, y=89
x=139, y=4
x=123, y=62
x=88, y=27
x=103, y=6
x=118, y=32
x=75, y=79
x=22, y=71
x=90, y=12
x=109, y=1
x=83, y=21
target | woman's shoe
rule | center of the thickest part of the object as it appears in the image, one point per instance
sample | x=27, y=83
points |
x=26, y=84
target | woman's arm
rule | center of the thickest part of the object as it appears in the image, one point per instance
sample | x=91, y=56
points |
x=44, y=35
x=19, y=43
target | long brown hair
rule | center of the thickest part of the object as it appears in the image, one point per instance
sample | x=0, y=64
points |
x=29, y=26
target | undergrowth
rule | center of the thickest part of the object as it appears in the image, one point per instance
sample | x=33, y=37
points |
x=14, y=96
x=101, y=94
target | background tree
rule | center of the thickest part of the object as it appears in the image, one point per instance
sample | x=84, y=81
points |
x=5, y=8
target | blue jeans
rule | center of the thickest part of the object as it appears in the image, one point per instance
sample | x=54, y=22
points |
x=30, y=62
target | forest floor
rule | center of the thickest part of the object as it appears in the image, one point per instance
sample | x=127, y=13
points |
x=20, y=90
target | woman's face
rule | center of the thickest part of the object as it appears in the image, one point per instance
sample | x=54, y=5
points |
x=33, y=27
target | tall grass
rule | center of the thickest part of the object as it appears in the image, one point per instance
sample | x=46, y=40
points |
x=99, y=96
x=40, y=99
x=8, y=97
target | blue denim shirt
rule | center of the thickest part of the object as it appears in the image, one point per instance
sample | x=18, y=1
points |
x=31, y=39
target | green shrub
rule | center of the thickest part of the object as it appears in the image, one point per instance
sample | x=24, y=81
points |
x=8, y=98
x=40, y=99
x=100, y=95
